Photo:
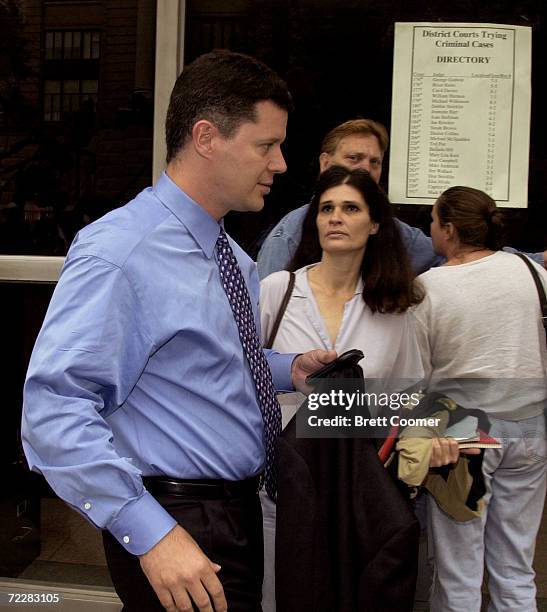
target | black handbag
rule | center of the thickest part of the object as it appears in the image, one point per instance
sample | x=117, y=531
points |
x=542, y=302
x=281, y=311
x=540, y=290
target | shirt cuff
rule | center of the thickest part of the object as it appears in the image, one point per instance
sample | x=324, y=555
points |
x=141, y=524
x=281, y=365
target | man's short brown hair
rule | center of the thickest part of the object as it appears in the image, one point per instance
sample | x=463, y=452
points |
x=223, y=87
x=355, y=126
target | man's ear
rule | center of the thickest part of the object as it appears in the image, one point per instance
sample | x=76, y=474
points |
x=324, y=162
x=203, y=134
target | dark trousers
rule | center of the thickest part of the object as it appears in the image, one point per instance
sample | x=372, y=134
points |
x=229, y=531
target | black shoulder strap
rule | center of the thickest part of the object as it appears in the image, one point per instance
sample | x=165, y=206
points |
x=540, y=290
x=281, y=310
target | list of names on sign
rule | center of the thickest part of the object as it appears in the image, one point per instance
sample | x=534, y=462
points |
x=461, y=111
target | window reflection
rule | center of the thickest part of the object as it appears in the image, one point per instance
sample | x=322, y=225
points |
x=76, y=131
x=41, y=538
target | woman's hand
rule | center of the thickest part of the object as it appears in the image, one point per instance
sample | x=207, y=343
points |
x=446, y=450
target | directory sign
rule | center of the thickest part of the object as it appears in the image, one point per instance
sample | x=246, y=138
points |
x=460, y=111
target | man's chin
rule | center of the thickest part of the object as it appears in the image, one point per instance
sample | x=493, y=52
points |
x=252, y=206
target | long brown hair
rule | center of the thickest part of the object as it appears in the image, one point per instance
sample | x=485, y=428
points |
x=385, y=270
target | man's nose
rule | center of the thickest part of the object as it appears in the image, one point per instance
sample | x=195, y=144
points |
x=364, y=165
x=277, y=162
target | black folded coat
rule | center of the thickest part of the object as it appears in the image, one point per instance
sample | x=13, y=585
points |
x=346, y=537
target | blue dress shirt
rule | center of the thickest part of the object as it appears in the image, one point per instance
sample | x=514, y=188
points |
x=282, y=242
x=139, y=369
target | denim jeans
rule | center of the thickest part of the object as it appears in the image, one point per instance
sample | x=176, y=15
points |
x=504, y=537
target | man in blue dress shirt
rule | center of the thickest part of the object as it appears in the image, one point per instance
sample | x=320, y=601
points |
x=139, y=370
x=359, y=143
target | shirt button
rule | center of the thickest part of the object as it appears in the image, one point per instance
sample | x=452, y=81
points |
x=87, y=506
x=126, y=539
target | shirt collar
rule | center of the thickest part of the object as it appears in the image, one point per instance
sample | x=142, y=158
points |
x=203, y=228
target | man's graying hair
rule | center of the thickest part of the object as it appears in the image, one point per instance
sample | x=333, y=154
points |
x=355, y=127
x=224, y=88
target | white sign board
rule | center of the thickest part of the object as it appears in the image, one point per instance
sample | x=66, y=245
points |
x=460, y=111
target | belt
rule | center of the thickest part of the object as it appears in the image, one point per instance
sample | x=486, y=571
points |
x=203, y=489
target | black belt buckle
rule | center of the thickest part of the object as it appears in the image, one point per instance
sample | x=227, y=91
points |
x=219, y=489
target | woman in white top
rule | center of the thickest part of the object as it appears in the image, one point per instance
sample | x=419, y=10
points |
x=353, y=289
x=483, y=345
x=353, y=282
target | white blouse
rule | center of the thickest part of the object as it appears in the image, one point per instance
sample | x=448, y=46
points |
x=481, y=337
x=388, y=341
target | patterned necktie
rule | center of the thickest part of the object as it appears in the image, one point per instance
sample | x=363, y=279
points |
x=240, y=302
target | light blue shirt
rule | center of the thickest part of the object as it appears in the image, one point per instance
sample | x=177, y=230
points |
x=139, y=369
x=282, y=242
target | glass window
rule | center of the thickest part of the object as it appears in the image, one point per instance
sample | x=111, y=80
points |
x=52, y=90
x=86, y=49
x=58, y=49
x=56, y=108
x=49, y=45
x=71, y=87
x=47, y=107
x=52, y=87
x=67, y=103
x=95, y=43
x=68, y=45
x=73, y=161
x=90, y=87
x=76, y=45
x=71, y=45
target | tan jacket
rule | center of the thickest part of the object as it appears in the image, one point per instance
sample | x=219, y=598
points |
x=452, y=493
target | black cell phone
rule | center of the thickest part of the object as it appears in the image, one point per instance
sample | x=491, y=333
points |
x=351, y=357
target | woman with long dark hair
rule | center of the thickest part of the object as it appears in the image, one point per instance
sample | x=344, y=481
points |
x=353, y=289
x=385, y=270
x=350, y=247
x=484, y=346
